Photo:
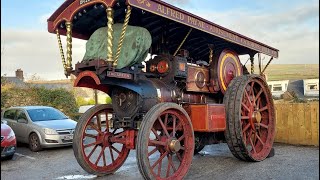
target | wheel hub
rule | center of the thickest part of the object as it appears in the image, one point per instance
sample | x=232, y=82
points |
x=106, y=139
x=256, y=116
x=174, y=145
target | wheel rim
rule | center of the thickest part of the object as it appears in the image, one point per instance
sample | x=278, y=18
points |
x=169, y=145
x=34, y=142
x=257, y=120
x=102, y=147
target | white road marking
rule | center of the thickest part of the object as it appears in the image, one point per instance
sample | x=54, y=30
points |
x=77, y=177
x=29, y=157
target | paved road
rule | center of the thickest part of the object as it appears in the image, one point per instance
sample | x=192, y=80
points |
x=215, y=162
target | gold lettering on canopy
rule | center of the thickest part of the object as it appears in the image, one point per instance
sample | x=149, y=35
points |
x=192, y=21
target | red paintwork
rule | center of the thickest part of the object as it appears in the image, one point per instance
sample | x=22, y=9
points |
x=207, y=117
x=130, y=139
x=90, y=80
x=5, y=131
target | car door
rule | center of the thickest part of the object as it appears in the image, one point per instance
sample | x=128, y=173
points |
x=22, y=126
x=9, y=116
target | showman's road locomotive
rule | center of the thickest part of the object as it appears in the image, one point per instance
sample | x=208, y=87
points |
x=176, y=84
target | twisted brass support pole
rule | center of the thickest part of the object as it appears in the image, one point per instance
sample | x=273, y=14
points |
x=123, y=33
x=61, y=50
x=210, y=53
x=69, y=48
x=109, y=11
x=185, y=38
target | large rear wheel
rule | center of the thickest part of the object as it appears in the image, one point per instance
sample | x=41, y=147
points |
x=165, y=143
x=250, y=117
x=98, y=148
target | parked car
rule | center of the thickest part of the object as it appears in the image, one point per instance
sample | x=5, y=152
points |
x=40, y=126
x=8, y=141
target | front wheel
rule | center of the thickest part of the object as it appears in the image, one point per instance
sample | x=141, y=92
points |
x=165, y=143
x=99, y=149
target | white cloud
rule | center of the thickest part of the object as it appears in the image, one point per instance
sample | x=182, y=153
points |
x=294, y=32
x=36, y=52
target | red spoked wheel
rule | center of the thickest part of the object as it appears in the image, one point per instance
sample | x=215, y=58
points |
x=165, y=143
x=250, y=118
x=98, y=148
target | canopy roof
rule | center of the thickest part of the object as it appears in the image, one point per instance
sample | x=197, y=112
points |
x=167, y=24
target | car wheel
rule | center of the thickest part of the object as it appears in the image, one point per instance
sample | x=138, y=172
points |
x=34, y=142
x=9, y=157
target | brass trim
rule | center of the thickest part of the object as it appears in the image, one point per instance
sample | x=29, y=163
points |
x=109, y=11
x=184, y=39
x=123, y=33
x=61, y=50
x=69, y=48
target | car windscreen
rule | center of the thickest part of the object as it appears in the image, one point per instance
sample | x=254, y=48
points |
x=45, y=114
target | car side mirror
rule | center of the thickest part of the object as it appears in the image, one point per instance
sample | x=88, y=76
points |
x=22, y=121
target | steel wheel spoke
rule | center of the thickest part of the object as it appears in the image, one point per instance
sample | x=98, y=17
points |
x=163, y=127
x=260, y=139
x=116, y=150
x=111, y=154
x=258, y=95
x=181, y=137
x=174, y=126
x=179, y=156
x=244, y=117
x=95, y=128
x=252, y=145
x=264, y=126
x=90, y=135
x=104, y=158
x=92, y=151
x=168, y=170
x=263, y=109
x=246, y=128
x=159, y=168
x=99, y=157
x=153, y=151
x=166, y=119
x=98, y=122
x=154, y=143
x=171, y=162
x=248, y=97
x=91, y=144
x=155, y=133
x=160, y=159
x=245, y=106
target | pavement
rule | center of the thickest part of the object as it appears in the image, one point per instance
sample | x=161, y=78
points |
x=214, y=162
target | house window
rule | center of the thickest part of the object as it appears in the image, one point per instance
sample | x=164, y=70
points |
x=312, y=86
x=277, y=87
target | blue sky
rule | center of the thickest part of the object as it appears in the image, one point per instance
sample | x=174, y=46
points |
x=290, y=26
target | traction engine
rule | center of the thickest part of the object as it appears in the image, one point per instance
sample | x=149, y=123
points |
x=175, y=87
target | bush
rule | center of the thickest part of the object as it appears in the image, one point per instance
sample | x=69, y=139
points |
x=108, y=100
x=30, y=96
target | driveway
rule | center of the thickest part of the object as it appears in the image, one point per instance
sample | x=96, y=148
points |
x=214, y=162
